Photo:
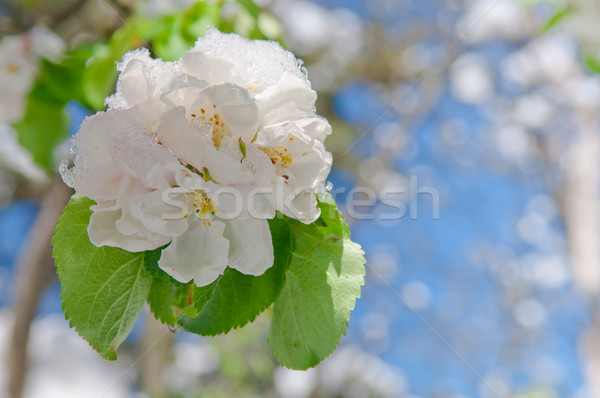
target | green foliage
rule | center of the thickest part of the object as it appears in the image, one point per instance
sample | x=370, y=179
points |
x=44, y=126
x=323, y=281
x=592, y=63
x=63, y=79
x=557, y=18
x=103, y=288
x=235, y=299
x=100, y=73
x=167, y=298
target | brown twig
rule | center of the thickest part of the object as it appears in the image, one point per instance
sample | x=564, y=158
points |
x=35, y=273
x=158, y=346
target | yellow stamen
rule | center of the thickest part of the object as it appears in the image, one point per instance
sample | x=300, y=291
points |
x=277, y=155
x=12, y=68
x=218, y=130
x=203, y=203
x=212, y=119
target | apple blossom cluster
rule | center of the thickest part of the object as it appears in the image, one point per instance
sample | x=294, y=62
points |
x=19, y=56
x=199, y=153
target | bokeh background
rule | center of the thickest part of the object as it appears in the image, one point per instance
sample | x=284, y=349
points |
x=484, y=112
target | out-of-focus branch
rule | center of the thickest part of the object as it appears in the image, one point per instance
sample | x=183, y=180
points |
x=35, y=273
x=581, y=198
x=66, y=13
x=582, y=209
x=158, y=347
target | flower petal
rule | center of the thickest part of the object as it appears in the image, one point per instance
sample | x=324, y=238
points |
x=316, y=127
x=289, y=100
x=250, y=245
x=185, y=140
x=95, y=174
x=157, y=216
x=133, y=84
x=103, y=231
x=238, y=108
x=199, y=254
x=141, y=157
x=141, y=79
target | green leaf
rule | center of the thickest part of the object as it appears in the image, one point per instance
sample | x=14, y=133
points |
x=167, y=298
x=170, y=44
x=253, y=9
x=235, y=298
x=198, y=18
x=323, y=281
x=44, y=126
x=592, y=63
x=63, y=79
x=103, y=288
x=557, y=18
x=100, y=74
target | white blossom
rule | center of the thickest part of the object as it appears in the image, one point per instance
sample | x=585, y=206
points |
x=232, y=115
x=19, y=56
x=16, y=159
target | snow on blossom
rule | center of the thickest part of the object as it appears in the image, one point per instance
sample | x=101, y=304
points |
x=199, y=153
x=19, y=55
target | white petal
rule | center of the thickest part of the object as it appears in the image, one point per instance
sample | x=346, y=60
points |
x=183, y=90
x=192, y=145
x=224, y=168
x=289, y=100
x=95, y=174
x=240, y=202
x=199, y=254
x=275, y=134
x=141, y=79
x=182, y=138
x=250, y=245
x=316, y=127
x=102, y=231
x=264, y=170
x=311, y=162
x=140, y=156
x=238, y=108
x=133, y=84
x=154, y=215
x=303, y=207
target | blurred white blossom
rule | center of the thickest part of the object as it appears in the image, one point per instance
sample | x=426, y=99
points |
x=19, y=57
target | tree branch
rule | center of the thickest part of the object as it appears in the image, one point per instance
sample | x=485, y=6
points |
x=35, y=272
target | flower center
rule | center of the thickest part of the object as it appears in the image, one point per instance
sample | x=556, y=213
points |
x=12, y=68
x=202, y=203
x=212, y=119
x=278, y=155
